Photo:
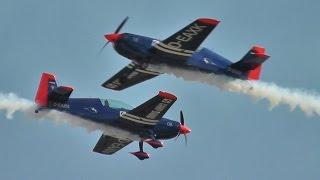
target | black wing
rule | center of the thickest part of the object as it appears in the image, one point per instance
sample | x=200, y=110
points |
x=150, y=113
x=186, y=41
x=130, y=75
x=109, y=145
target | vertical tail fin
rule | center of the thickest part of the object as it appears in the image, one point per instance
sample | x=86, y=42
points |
x=46, y=86
x=49, y=92
x=251, y=63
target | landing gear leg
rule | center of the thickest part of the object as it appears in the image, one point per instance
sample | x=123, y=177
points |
x=141, y=146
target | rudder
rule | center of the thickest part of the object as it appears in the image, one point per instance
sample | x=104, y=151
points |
x=46, y=86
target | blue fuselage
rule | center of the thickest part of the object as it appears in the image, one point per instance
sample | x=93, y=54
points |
x=97, y=111
x=140, y=49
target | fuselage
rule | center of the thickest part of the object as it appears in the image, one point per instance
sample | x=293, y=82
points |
x=107, y=115
x=140, y=50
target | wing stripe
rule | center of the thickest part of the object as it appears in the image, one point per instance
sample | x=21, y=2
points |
x=147, y=71
x=141, y=118
x=131, y=65
x=130, y=75
x=170, y=51
x=137, y=121
x=174, y=48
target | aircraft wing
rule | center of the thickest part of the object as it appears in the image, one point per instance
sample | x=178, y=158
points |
x=149, y=113
x=109, y=145
x=130, y=75
x=187, y=40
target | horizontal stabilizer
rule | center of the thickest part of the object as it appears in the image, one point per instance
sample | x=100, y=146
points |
x=60, y=94
x=254, y=58
x=251, y=63
x=48, y=91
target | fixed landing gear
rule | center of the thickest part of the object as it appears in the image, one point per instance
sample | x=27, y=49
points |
x=154, y=143
x=38, y=109
x=140, y=154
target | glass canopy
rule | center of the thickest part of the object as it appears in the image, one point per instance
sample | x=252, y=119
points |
x=115, y=104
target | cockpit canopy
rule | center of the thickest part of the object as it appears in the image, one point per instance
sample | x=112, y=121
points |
x=111, y=103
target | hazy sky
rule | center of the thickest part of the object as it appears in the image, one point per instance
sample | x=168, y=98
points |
x=233, y=136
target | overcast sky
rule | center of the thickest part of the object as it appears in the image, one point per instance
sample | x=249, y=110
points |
x=233, y=136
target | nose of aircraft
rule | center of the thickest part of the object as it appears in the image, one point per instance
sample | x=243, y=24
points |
x=184, y=129
x=113, y=37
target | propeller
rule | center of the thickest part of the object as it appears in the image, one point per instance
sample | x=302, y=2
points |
x=114, y=36
x=183, y=129
x=121, y=25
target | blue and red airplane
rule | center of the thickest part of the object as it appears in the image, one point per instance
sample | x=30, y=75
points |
x=181, y=50
x=120, y=125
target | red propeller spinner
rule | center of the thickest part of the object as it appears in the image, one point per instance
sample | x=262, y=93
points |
x=183, y=129
x=113, y=37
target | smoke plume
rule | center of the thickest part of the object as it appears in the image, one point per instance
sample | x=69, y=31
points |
x=11, y=103
x=308, y=102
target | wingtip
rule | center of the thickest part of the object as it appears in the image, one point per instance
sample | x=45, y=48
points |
x=209, y=21
x=167, y=95
x=68, y=88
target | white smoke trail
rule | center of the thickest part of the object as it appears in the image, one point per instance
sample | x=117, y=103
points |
x=11, y=103
x=308, y=102
x=90, y=126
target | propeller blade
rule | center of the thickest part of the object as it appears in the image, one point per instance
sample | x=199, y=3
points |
x=183, y=129
x=121, y=25
x=115, y=32
x=103, y=47
x=186, y=139
x=175, y=139
x=181, y=118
